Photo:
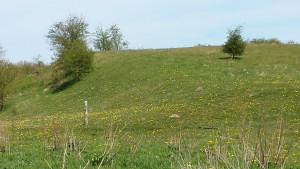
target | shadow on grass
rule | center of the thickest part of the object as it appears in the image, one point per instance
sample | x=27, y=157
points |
x=229, y=57
x=64, y=86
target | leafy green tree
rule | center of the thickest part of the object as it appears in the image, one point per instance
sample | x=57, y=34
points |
x=2, y=52
x=73, y=57
x=117, y=38
x=62, y=33
x=102, y=41
x=110, y=39
x=235, y=45
x=7, y=75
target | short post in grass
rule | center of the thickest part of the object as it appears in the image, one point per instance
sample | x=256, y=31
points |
x=86, y=120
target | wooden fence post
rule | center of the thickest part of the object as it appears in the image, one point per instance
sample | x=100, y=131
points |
x=86, y=120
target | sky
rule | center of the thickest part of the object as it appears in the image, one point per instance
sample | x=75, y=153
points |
x=146, y=23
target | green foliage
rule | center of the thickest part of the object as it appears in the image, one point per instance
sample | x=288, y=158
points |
x=235, y=45
x=8, y=73
x=2, y=52
x=291, y=42
x=102, y=41
x=37, y=61
x=74, y=59
x=28, y=68
x=62, y=33
x=272, y=41
x=110, y=39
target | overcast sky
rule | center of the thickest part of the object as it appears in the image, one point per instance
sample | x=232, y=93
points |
x=146, y=23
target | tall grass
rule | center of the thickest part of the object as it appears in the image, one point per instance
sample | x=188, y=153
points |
x=263, y=147
x=4, y=139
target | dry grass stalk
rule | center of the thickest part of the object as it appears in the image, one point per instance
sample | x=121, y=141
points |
x=111, y=150
x=268, y=149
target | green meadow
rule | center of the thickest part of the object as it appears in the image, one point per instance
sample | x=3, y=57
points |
x=164, y=108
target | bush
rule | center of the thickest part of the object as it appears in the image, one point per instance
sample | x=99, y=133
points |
x=235, y=45
x=73, y=64
x=271, y=41
x=110, y=39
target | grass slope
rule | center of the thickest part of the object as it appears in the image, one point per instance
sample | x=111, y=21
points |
x=141, y=89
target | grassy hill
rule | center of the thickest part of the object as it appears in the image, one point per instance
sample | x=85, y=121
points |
x=141, y=89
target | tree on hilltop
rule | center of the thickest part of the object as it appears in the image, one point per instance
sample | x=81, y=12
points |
x=102, y=41
x=235, y=45
x=110, y=39
x=2, y=52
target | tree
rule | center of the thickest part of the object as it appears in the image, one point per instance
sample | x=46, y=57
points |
x=110, y=39
x=7, y=75
x=73, y=57
x=102, y=41
x=2, y=52
x=117, y=40
x=235, y=45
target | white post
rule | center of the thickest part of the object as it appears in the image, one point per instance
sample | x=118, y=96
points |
x=86, y=120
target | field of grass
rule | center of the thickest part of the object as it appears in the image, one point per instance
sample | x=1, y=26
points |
x=228, y=109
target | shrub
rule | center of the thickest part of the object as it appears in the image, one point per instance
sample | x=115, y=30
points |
x=235, y=45
x=271, y=41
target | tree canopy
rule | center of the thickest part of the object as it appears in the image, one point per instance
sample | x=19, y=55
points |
x=110, y=39
x=62, y=33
